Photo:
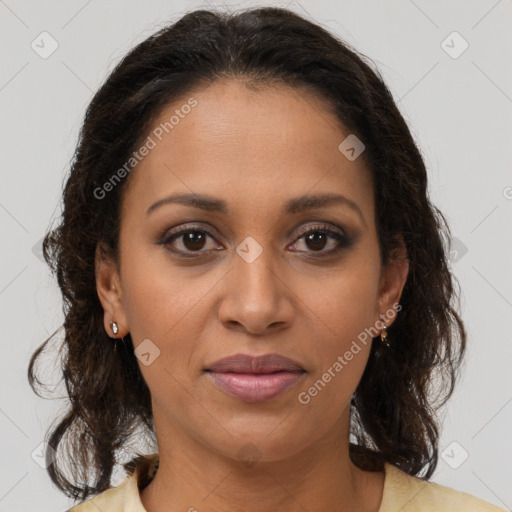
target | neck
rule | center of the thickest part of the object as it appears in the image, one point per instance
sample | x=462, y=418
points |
x=193, y=477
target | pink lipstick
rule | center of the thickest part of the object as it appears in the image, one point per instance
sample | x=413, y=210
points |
x=255, y=378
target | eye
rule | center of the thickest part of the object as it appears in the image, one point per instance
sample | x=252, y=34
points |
x=192, y=241
x=188, y=239
x=317, y=238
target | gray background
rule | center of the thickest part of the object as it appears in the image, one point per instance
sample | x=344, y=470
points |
x=459, y=112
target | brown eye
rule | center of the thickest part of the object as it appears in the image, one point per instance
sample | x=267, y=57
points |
x=189, y=240
x=316, y=240
x=193, y=240
x=323, y=240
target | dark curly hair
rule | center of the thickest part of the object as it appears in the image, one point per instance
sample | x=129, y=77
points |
x=393, y=413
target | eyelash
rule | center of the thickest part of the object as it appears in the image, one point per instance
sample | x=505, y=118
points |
x=339, y=236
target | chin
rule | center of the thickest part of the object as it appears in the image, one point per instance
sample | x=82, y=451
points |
x=265, y=445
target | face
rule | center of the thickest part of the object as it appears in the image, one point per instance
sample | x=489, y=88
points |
x=252, y=267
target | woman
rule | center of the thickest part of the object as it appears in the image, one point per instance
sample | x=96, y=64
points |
x=253, y=274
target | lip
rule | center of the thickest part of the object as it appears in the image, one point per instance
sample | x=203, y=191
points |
x=255, y=378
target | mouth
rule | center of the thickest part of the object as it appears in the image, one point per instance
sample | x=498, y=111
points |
x=255, y=378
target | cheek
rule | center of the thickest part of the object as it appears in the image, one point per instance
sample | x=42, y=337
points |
x=342, y=349
x=158, y=299
x=166, y=307
x=170, y=307
x=343, y=300
x=342, y=306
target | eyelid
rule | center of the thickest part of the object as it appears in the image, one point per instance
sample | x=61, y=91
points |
x=166, y=236
x=169, y=233
x=320, y=226
x=172, y=234
x=342, y=240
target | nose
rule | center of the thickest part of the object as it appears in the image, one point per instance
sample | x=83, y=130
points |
x=257, y=299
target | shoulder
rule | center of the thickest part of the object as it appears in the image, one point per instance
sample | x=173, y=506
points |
x=113, y=500
x=126, y=496
x=406, y=493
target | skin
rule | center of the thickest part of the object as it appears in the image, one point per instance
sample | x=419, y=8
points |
x=255, y=149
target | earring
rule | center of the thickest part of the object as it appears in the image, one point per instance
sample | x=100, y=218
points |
x=114, y=328
x=384, y=336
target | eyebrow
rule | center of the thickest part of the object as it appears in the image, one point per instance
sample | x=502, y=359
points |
x=294, y=205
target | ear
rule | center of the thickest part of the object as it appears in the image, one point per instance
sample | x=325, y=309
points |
x=392, y=281
x=108, y=286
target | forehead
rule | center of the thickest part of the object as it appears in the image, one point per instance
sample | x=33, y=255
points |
x=232, y=139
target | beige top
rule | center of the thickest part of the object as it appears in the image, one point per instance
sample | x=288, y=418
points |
x=402, y=493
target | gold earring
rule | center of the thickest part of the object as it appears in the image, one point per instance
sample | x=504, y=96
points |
x=114, y=328
x=384, y=336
